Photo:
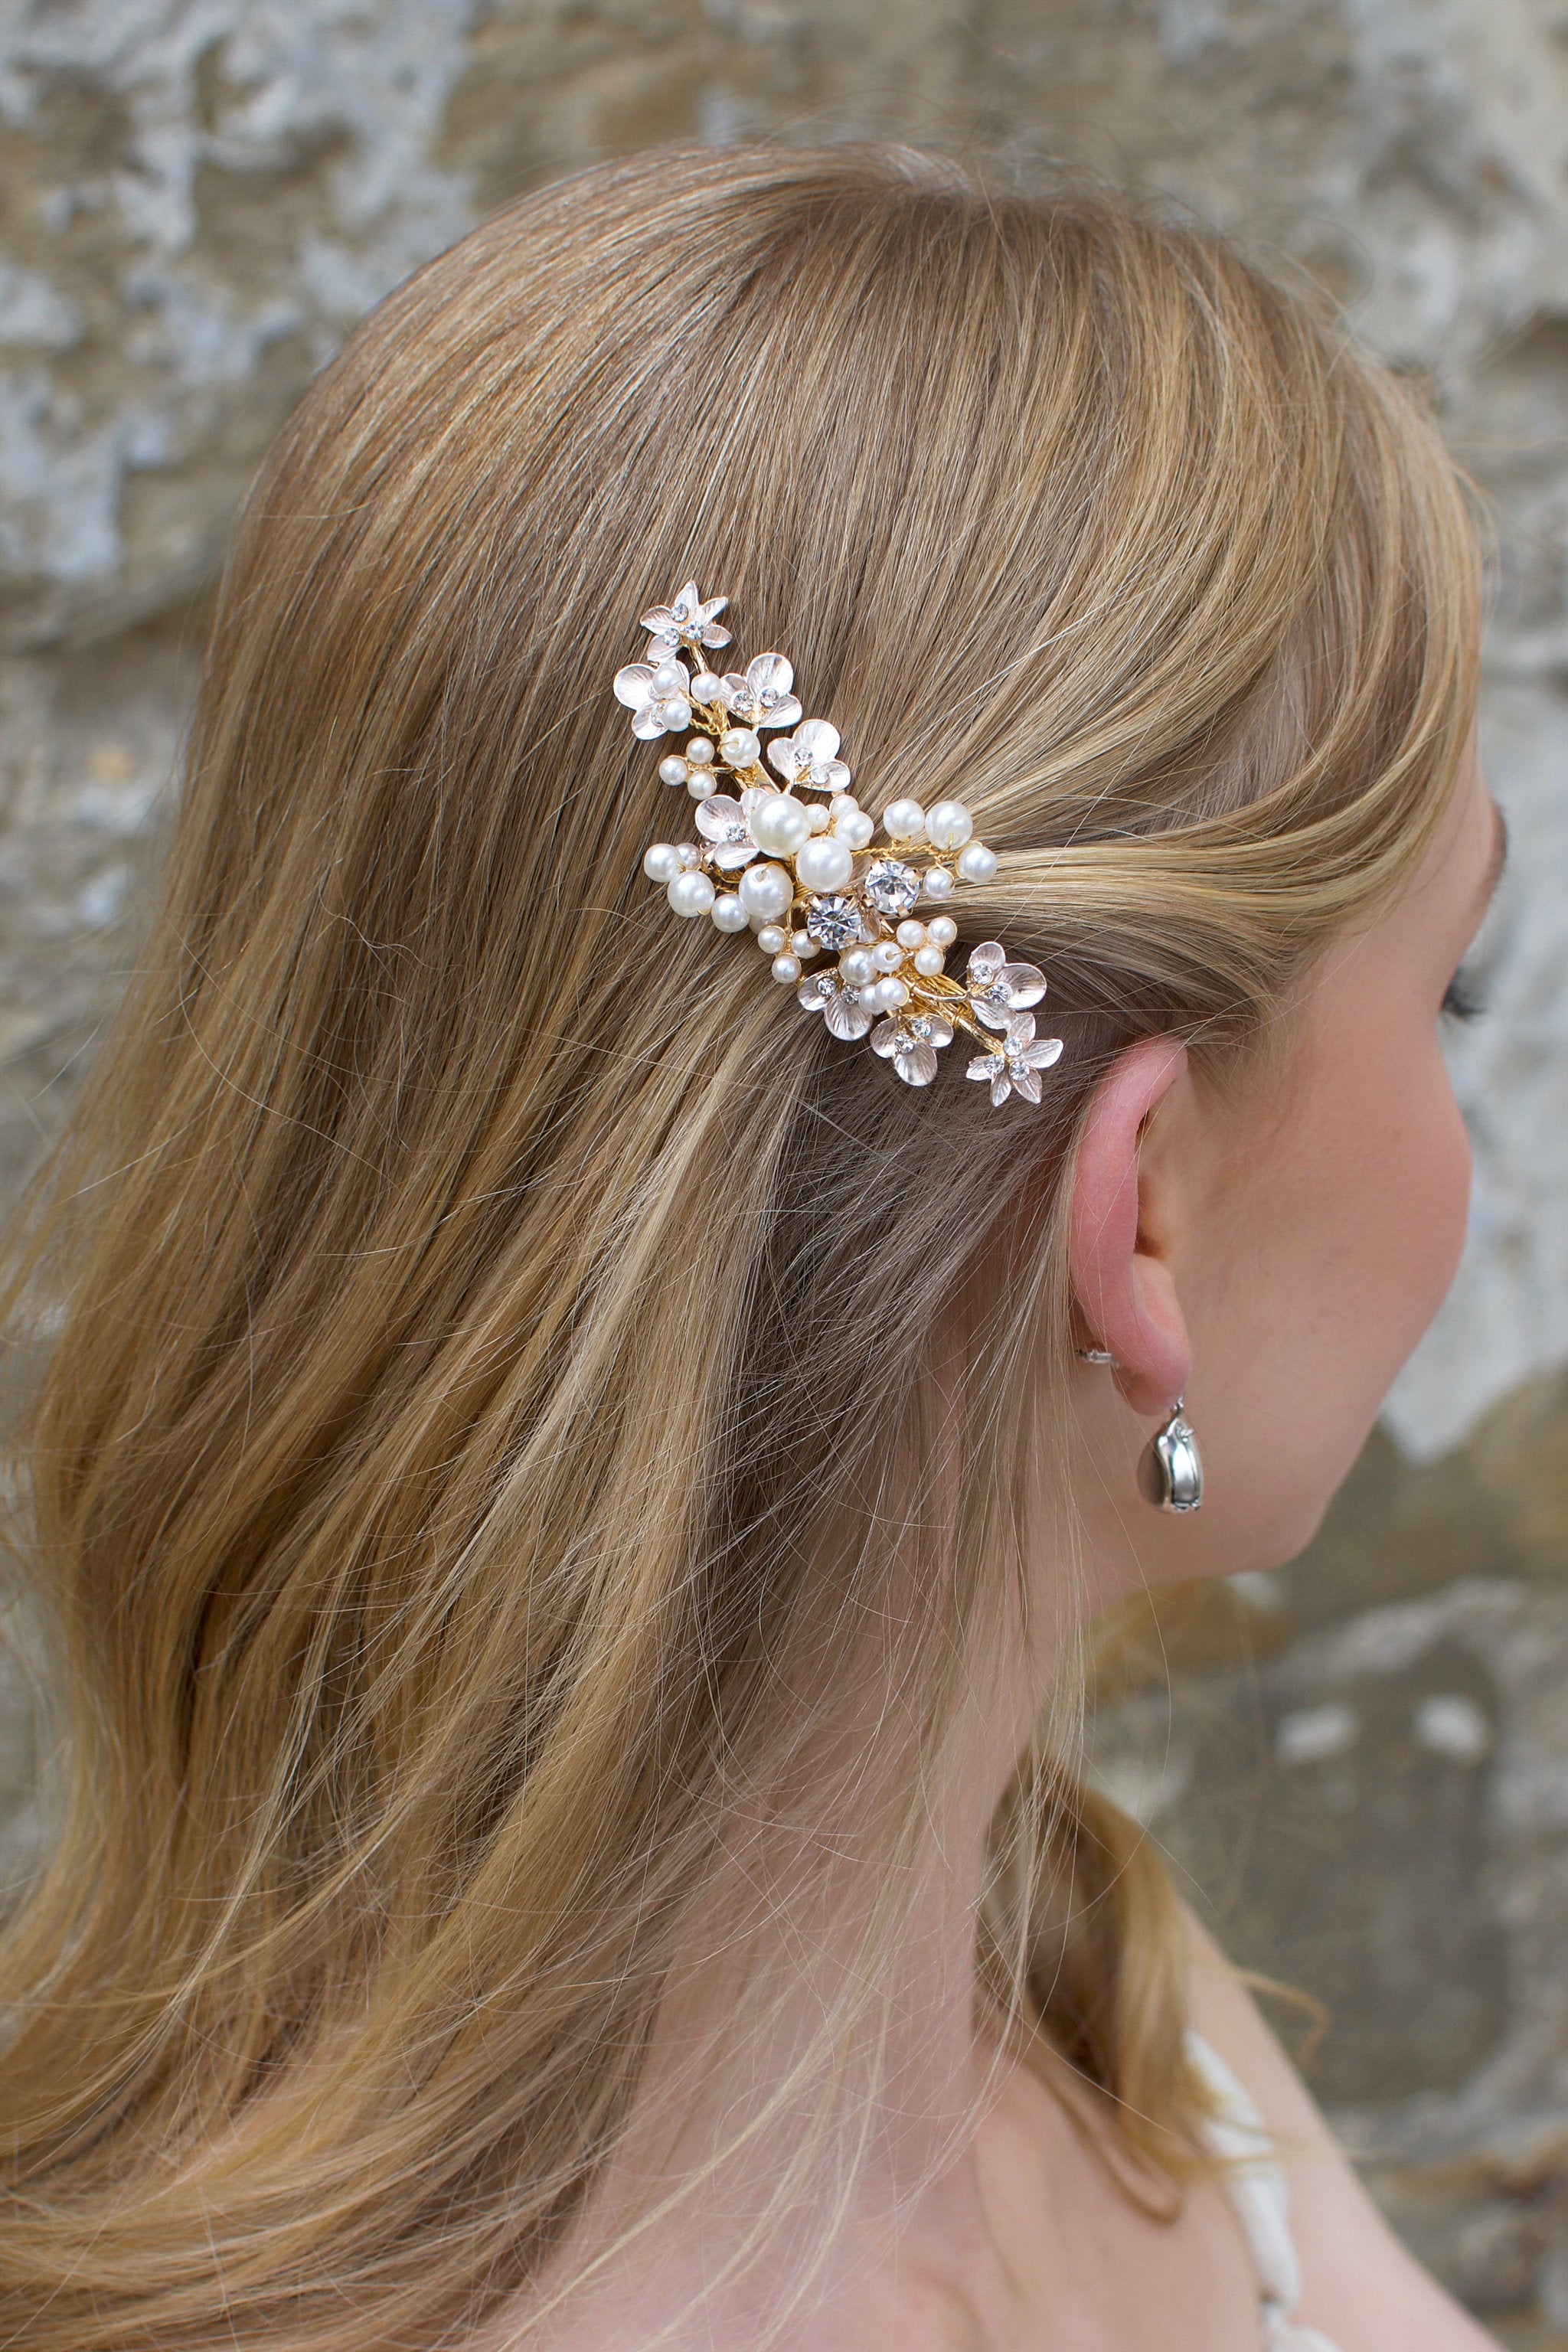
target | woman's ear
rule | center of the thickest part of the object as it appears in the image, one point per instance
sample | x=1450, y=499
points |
x=1123, y=1230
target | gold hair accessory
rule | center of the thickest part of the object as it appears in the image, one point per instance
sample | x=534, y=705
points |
x=807, y=877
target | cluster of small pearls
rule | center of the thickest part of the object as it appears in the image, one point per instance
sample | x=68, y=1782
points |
x=947, y=825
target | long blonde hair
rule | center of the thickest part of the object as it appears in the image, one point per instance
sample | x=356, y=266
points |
x=489, y=1427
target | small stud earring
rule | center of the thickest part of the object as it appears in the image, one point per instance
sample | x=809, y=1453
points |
x=1171, y=1472
x=1095, y=1356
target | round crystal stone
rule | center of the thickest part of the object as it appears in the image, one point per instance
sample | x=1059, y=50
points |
x=891, y=885
x=834, y=923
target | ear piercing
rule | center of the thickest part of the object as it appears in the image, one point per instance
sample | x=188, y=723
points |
x=1171, y=1474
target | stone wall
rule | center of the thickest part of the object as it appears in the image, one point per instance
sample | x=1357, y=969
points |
x=1362, y=1763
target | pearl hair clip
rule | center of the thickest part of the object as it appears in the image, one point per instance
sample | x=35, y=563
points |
x=807, y=878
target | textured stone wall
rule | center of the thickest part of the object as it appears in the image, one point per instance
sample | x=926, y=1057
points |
x=1362, y=1763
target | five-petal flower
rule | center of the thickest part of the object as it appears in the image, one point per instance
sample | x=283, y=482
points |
x=809, y=758
x=1015, y=1067
x=998, y=988
x=686, y=621
x=762, y=697
x=657, y=694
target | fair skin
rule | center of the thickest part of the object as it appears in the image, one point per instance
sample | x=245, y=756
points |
x=1273, y=1252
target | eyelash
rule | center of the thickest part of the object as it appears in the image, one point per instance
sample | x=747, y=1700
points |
x=1460, y=1001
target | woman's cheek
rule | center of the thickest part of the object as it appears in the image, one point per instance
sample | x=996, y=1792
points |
x=1431, y=1202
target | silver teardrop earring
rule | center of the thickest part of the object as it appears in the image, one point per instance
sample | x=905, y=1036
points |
x=1171, y=1472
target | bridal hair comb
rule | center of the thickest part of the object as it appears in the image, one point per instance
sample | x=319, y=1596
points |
x=806, y=875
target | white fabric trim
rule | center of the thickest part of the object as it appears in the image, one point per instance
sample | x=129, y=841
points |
x=1261, y=2196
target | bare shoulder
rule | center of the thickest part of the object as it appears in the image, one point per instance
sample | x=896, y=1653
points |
x=1362, y=2288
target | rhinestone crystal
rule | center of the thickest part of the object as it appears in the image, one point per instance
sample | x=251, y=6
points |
x=834, y=923
x=891, y=886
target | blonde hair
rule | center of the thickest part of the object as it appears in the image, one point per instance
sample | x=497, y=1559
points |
x=490, y=1429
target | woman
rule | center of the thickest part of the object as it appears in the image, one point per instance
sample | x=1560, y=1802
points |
x=566, y=1489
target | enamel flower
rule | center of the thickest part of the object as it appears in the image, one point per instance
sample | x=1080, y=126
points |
x=658, y=696
x=998, y=988
x=810, y=881
x=808, y=759
x=686, y=621
x=763, y=696
x=911, y=1043
x=723, y=823
x=1013, y=1066
x=839, y=1003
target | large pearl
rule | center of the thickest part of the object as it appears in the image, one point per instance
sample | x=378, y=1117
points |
x=778, y=824
x=690, y=894
x=977, y=864
x=740, y=747
x=824, y=863
x=904, y=819
x=766, y=890
x=661, y=862
x=949, y=824
x=728, y=913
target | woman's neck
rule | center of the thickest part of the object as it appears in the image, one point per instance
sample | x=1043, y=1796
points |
x=757, y=2178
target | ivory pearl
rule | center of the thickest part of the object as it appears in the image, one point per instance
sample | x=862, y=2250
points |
x=700, y=751
x=673, y=771
x=661, y=862
x=910, y=935
x=690, y=894
x=904, y=819
x=701, y=782
x=820, y=820
x=976, y=863
x=824, y=864
x=856, y=829
x=894, y=993
x=740, y=747
x=772, y=939
x=949, y=824
x=929, y=962
x=887, y=955
x=802, y=945
x=766, y=890
x=706, y=687
x=856, y=967
x=785, y=967
x=936, y=882
x=728, y=913
x=942, y=931
x=779, y=824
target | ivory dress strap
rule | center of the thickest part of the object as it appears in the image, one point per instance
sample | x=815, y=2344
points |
x=1262, y=2200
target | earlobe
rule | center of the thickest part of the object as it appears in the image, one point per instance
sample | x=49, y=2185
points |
x=1117, y=1247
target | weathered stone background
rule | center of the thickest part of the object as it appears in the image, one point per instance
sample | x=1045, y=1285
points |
x=1364, y=1761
